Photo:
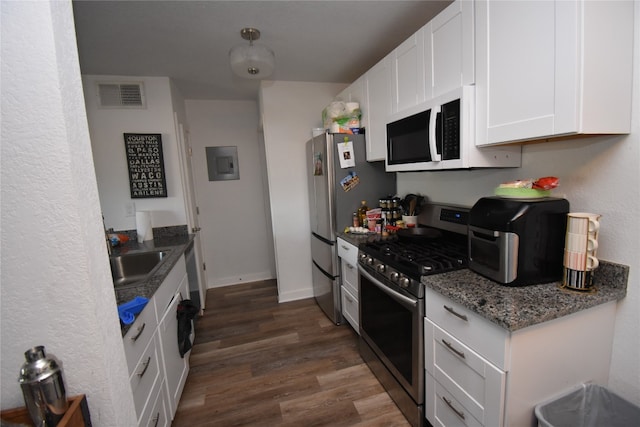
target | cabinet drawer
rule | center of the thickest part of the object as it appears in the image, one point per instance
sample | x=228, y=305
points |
x=347, y=251
x=443, y=410
x=350, y=308
x=479, y=334
x=350, y=277
x=145, y=376
x=155, y=413
x=169, y=287
x=474, y=382
x=139, y=335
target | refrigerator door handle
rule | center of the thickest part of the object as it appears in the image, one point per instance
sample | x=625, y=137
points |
x=324, y=272
x=323, y=239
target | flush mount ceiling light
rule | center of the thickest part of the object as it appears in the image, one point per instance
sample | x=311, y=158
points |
x=249, y=60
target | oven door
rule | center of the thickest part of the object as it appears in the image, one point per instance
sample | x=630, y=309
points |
x=391, y=323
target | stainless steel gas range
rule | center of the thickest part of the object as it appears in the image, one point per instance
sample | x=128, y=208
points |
x=391, y=298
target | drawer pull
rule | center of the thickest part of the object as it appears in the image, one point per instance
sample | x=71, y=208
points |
x=140, y=329
x=346, y=248
x=458, y=413
x=455, y=313
x=450, y=347
x=146, y=366
x=157, y=418
x=350, y=267
x=348, y=298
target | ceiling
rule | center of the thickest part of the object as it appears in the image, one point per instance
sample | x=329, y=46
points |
x=189, y=41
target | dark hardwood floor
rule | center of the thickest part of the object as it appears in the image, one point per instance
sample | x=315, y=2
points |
x=259, y=363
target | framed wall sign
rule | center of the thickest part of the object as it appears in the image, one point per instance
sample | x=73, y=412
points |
x=146, y=165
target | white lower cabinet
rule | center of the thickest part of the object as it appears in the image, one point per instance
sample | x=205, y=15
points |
x=464, y=386
x=145, y=377
x=480, y=374
x=156, y=413
x=157, y=373
x=348, y=254
x=175, y=367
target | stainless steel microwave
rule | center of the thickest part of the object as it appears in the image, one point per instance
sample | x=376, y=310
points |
x=435, y=137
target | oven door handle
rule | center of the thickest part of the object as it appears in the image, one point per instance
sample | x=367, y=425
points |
x=406, y=301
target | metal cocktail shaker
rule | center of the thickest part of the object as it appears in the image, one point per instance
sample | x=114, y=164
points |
x=43, y=387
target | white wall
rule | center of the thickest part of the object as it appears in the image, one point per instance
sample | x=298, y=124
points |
x=599, y=174
x=289, y=111
x=235, y=232
x=107, y=126
x=56, y=287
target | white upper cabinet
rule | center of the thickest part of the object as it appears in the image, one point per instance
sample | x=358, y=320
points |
x=448, y=49
x=407, y=73
x=377, y=108
x=354, y=92
x=437, y=59
x=552, y=68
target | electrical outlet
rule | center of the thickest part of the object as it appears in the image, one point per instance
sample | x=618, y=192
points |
x=129, y=209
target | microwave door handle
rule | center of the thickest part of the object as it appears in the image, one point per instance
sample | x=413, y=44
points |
x=433, y=120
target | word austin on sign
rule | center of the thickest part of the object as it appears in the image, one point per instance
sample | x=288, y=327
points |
x=146, y=165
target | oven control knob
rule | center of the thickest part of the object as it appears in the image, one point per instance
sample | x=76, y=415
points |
x=381, y=268
x=394, y=276
x=369, y=261
x=404, y=282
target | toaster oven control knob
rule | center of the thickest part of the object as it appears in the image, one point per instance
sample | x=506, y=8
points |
x=404, y=282
x=380, y=268
x=369, y=261
x=394, y=276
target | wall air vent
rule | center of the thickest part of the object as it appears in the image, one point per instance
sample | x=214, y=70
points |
x=121, y=95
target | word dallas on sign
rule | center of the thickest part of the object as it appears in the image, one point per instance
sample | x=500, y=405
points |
x=146, y=165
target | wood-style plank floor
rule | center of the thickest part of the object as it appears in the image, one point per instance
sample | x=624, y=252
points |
x=259, y=363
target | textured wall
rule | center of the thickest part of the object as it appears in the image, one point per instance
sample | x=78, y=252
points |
x=56, y=287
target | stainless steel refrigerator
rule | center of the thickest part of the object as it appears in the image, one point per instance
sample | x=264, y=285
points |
x=339, y=179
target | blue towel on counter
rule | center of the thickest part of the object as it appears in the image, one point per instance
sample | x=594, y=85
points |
x=129, y=309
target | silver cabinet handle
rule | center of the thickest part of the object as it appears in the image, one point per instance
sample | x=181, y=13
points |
x=346, y=248
x=450, y=347
x=450, y=405
x=140, y=329
x=350, y=267
x=455, y=313
x=146, y=366
x=348, y=298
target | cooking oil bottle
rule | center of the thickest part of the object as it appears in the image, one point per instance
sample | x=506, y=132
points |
x=362, y=213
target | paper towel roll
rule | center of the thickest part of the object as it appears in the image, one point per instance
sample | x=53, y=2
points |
x=143, y=226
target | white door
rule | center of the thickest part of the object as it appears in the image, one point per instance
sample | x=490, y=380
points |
x=191, y=205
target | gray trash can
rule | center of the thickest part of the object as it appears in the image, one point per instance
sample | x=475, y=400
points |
x=590, y=405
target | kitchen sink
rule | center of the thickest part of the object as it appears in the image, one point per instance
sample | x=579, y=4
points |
x=131, y=268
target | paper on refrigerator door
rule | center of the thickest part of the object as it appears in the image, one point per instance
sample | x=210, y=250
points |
x=347, y=155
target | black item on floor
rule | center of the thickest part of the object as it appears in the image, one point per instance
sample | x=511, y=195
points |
x=186, y=312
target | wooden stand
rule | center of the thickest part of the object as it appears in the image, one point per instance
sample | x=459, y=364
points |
x=76, y=416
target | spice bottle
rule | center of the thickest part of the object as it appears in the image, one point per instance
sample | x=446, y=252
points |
x=356, y=221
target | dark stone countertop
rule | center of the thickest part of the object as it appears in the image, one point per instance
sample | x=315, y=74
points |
x=515, y=308
x=175, y=246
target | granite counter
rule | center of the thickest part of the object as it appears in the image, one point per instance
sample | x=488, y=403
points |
x=515, y=308
x=175, y=247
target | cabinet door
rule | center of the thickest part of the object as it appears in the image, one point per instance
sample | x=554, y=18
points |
x=515, y=75
x=354, y=92
x=378, y=94
x=407, y=73
x=176, y=367
x=449, y=49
